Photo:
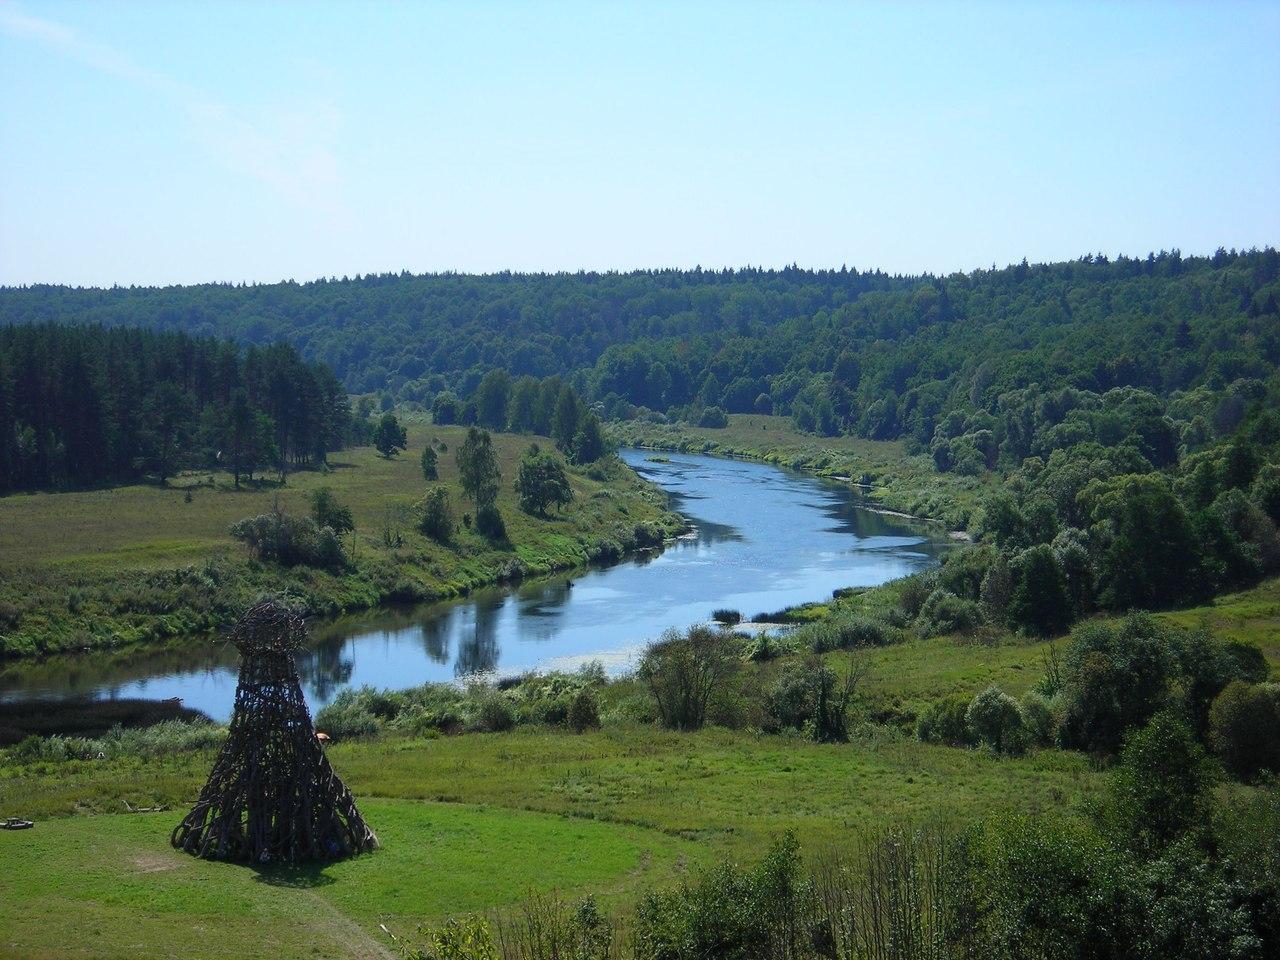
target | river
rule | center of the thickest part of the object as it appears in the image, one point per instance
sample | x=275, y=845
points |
x=763, y=539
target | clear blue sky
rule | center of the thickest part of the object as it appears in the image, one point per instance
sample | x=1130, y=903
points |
x=168, y=142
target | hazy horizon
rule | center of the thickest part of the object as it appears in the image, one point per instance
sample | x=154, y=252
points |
x=862, y=268
x=153, y=145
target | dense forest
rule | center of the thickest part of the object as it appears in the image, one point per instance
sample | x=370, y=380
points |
x=841, y=351
x=82, y=405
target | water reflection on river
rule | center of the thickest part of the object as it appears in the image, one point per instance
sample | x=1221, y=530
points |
x=764, y=539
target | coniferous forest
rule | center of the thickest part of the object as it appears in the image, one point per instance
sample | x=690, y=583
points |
x=83, y=405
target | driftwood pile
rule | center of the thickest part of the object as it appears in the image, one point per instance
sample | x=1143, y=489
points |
x=272, y=796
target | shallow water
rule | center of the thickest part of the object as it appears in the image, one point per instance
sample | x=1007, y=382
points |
x=764, y=538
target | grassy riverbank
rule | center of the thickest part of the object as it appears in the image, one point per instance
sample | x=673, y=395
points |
x=894, y=479
x=480, y=821
x=135, y=564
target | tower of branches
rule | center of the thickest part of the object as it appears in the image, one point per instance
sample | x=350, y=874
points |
x=272, y=796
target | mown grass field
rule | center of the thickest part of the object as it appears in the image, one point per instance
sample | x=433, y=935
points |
x=467, y=823
x=130, y=564
x=898, y=480
x=110, y=887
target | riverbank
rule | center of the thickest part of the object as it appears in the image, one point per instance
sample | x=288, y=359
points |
x=142, y=564
x=890, y=478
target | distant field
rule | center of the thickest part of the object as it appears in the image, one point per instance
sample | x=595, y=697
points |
x=1252, y=616
x=149, y=524
x=131, y=564
x=898, y=480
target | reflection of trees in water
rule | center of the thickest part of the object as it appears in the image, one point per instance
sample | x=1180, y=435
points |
x=323, y=668
x=109, y=671
x=478, y=653
x=853, y=515
x=539, y=610
x=434, y=634
x=711, y=533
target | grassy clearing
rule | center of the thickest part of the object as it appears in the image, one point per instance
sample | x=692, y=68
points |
x=469, y=823
x=897, y=480
x=1252, y=616
x=112, y=887
x=733, y=789
x=110, y=567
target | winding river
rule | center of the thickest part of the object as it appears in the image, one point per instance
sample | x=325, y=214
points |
x=764, y=538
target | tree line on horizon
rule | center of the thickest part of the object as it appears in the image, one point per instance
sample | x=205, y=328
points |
x=840, y=351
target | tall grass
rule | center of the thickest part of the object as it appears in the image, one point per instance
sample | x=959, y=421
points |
x=162, y=739
x=890, y=896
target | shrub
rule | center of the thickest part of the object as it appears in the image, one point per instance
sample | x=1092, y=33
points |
x=1038, y=600
x=1115, y=678
x=584, y=712
x=326, y=511
x=346, y=716
x=1039, y=719
x=789, y=702
x=1244, y=728
x=684, y=672
x=727, y=911
x=727, y=617
x=713, y=417
x=435, y=516
x=964, y=570
x=541, y=482
x=914, y=590
x=494, y=714
x=844, y=633
x=489, y=523
x=944, y=612
x=430, y=463
x=810, y=696
x=944, y=722
x=996, y=721
x=289, y=540
x=764, y=647
x=1161, y=788
x=1250, y=662
x=460, y=938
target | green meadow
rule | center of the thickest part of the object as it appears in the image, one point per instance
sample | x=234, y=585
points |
x=482, y=821
x=468, y=823
x=102, y=568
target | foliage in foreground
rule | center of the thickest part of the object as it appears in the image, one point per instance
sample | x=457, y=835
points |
x=1161, y=871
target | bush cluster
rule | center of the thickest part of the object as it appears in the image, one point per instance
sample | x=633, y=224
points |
x=282, y=538
x=558, y=698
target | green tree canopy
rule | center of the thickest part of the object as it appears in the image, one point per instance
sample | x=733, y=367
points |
x=542, y=482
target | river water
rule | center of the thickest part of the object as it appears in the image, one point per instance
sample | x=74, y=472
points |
x=764, y=538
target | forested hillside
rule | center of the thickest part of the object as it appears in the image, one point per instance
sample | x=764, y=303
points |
x=841, y=351
x=84, y=405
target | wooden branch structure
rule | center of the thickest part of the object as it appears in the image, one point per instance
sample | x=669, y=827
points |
x=272, y=796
